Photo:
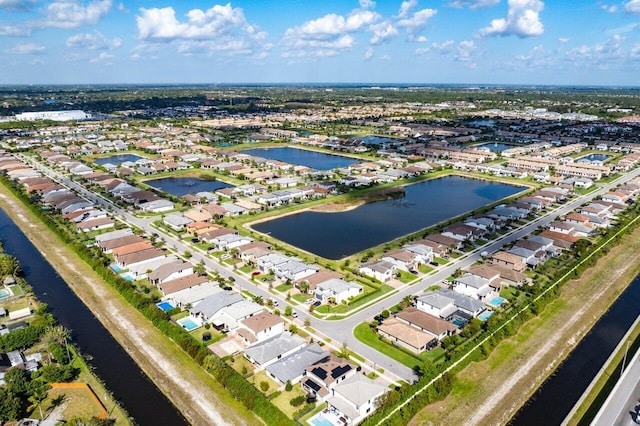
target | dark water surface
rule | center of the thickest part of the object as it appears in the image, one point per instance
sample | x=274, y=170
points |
x=336, y=235
x=130, y=386
x=118, y=159
x=553, y=401
x=302, y=157
x=180, y=186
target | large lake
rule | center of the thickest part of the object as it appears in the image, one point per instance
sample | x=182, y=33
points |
x=180, y=186
x=302, y=157
x=118, y=159
x=337, y=235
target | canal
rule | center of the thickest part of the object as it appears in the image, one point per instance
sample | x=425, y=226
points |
x=130, y=386
x=553, y=401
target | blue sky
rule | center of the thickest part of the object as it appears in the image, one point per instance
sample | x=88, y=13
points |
x=581, y=42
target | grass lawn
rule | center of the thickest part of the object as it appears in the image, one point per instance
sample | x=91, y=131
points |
x=257, y=379
x=301, y=298
x=247, y=269
x=406, y=277
x=425, y=269
x=283, y=288
x=282, y=401
x=440, y=261
x=508, y=293
x=240, y=361
x=215, y=335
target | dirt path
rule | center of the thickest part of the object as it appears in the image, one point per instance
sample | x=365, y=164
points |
x=197, y=395
x=490, y=392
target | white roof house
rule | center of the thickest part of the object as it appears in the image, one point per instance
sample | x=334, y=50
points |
x=338, y=289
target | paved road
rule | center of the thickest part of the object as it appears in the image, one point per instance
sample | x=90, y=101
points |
x=340, y=331
x=620, y=407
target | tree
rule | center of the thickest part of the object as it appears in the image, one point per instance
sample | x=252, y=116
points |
x=10, y=405
x=288, y=311
x=17, y=381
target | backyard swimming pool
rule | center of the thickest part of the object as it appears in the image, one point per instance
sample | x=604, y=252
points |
x=485, y=316
x=188, y=323
x=165, y=306
x=497, y=301
x=4, y=293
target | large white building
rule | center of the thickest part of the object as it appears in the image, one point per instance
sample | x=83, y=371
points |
x=53, y=115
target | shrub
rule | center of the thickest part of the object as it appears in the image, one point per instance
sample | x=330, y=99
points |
x=264, y=386
x=298, y=400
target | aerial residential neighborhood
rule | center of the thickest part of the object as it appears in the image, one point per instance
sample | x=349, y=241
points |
x=327, y=274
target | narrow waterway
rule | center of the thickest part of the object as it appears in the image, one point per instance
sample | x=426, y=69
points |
x=553, y=401
x=130, y=386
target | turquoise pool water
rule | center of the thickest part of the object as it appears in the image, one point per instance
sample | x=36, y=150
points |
x=115, y=267
x=127, y=276
x=165, y=306
x=485, y=316
x=497, y=301
x=320, y=420
x=188, y=324
x=4, y=293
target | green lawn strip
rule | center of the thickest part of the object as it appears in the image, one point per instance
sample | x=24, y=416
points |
x=283, y=400
x=406, y=277
x=424, y=269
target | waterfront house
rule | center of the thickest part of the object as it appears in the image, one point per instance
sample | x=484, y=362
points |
x=380, y=270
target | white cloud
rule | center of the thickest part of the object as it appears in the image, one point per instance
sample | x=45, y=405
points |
x=406, y=7
x=220, y=28
x=382, y=32
x=101, y=58
x=444, y=47
x=369, y=53
x=600, y=54
x=609, y=9
x=523, y=20
x=332, y=34
x=464, y=50
x=632, y=6
x=473, y=4
x=332, y=25
x=16, y=4
x=418, y=21
x=14, y=30
x=422, y=51
x=72, y=14
x=367, y=4
x=26, y=49
x=420, y=39
x=95, y=41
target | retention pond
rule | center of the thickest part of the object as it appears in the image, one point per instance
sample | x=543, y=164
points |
x=339, y=234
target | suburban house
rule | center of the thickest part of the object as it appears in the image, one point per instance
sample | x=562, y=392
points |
x=380, y=270
x=473, y=286
x=402, y=334
x=292, y=367
x=266, y=352
x=337, y=289
x=228, y=317
x=260, y=327
x=404, y=260
x=509, y=260
x=182, y=283
x=355, y=397
x=322, y=376
x=312, y=281
x=426, y=322
x=170, y=271
x=209, y=306
x=294, y=270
